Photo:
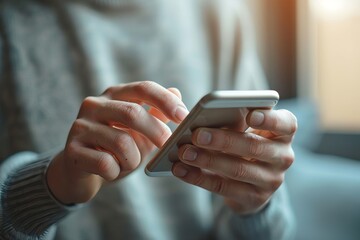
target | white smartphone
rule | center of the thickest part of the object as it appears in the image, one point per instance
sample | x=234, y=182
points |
x=218, y=109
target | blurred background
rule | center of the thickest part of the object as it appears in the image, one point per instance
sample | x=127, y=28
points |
x=310, y=51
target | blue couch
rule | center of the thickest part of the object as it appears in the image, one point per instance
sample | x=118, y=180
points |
x=324, y=181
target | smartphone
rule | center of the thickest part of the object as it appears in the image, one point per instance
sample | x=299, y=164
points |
x=218, y=109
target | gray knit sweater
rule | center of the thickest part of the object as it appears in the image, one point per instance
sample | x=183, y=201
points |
x=55, y=53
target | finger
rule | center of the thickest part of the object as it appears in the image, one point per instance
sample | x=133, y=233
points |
x=94, y=162
x=131, y=115
x=144, y=145
x=230, y=167
x=246, y=194
x=152, y=94
x=279, y=122
x=114, y=141
x=246, y=145
x=158, y=114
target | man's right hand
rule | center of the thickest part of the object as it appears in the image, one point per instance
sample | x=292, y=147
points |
x=112, y=134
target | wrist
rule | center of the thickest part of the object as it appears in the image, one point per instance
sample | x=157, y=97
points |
x=68, y=185
x=56, y=181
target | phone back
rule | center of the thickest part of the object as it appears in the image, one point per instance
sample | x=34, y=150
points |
x=219, y=109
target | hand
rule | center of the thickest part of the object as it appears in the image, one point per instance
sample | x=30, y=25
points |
x=245, y=168
x=111, y=136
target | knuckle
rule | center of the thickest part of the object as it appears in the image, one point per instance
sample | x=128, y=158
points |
x=240, y=171
x=71, y=148
x=199, y=180
x=294, y=126
x=79, y=126
x=89, y=107
x=168, y=98
x=288, y=159
x=125, y=144
x=123, y=141
x=293, y=121
x=133, y=163
x=256, y=148
x=104, y=163
x=208, y=161
x=144, y=86
x=218, y=186
x=89, y=103
x=111, y=91
x=133, y=112
x=275, y=183
x=260, y=197
x=228, y=142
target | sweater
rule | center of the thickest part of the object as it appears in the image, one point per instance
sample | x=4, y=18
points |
x=55, y=53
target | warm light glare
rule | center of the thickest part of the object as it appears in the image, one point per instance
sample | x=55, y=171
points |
x=336, y=8
x=336, y=35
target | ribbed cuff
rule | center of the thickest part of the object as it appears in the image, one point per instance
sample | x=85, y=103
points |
x=275, y=221
x=28, y=207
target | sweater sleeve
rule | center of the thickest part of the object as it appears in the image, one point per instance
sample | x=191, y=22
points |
x=275, y=221
x=27, y=208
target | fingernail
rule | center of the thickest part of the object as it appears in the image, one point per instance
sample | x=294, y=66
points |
x=257, y=118
x=204, y=137
x=180, y=171
x=181, y=112
x=190, y=154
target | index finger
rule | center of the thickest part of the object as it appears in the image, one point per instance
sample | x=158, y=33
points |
x=157, y=113
x=279, y=122
x=152, y=94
